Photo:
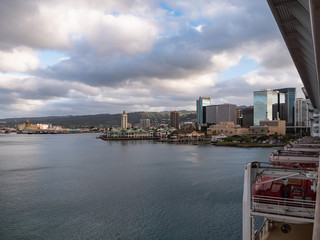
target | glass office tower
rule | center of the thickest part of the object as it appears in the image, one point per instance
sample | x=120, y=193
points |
x=279, y=107
x=262, y=104
x=202, y=102
x=290, y=101
x=267, y=105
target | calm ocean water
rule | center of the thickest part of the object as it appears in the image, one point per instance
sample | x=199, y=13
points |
x=79, y=187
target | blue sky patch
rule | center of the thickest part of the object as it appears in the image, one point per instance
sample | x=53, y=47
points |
x=49, y=57
x=244, y=66
x=171, y=11
x=195, y=23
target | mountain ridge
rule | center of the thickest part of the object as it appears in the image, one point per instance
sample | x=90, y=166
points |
x=101, y=120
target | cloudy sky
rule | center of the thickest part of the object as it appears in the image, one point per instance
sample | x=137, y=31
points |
x=76, y=57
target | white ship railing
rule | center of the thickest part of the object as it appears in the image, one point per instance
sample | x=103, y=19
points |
x=293, y=153
x=300, y=208
x=294, y=157
x=304, y=145
x=315, y=150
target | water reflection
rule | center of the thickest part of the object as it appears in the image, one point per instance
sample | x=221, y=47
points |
x=195, y=157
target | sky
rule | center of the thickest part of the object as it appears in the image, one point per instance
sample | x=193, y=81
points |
x=79, y=57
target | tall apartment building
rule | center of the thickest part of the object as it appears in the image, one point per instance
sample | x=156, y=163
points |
x=202, y=102
x=221, y=113
x=145, y=123
x=174, y=119
x=268, y=105
x=301, y=113
x=124, y=120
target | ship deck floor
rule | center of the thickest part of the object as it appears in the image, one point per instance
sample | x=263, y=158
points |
x=298, y=232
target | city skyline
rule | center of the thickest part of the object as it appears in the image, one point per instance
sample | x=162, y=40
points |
x=83, y=57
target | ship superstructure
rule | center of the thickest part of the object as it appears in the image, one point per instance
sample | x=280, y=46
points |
x=283, y=193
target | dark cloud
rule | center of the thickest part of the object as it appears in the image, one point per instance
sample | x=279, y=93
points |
x=170, y=59
x=7, y=98
x=251, y=23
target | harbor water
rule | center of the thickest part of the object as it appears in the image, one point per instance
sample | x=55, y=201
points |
x=75, y=186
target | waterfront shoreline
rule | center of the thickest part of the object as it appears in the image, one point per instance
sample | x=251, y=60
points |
x=199, y=141
x=249, y=145
x=122, y=138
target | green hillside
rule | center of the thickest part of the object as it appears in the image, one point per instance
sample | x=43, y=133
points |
x=98, y=120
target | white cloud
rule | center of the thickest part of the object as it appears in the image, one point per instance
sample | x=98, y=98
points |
x=60, y=25
x=224, y=60
x=19, y=59
x=108, y=33
x=63, y=59
x=124, y=33
x=199, y=27
x=271, y=54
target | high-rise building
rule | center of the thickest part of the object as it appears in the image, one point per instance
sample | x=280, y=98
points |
x=174, y=119
x=267, y=106
x=202, y=102
x=204, y=114
x=227, y=113
x=221, y=113
x=301, y=113
x=247, y=117
x=290, y=99
x=212, y=114
x=145, y=123
x=262, y=101
x=279, y=107
x=239, y=116
x=124, y=120
x=314, y=116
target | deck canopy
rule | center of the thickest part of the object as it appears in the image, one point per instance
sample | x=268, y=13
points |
x=299, y=23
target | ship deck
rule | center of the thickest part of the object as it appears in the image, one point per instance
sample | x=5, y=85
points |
x=298, y=232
